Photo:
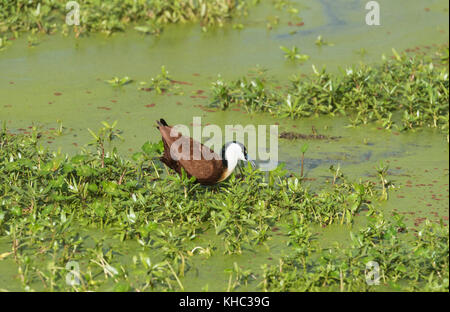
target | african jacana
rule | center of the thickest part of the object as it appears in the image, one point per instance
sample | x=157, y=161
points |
x=199, y=160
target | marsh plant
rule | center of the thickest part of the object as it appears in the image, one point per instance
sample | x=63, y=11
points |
x=118, y=82
x=382, y=171
x=294, y=54
x=161, y=83
x=322, y=42
x=131, y=226
x=304, y=149
x=49, y=16
x=403, y=92
x=417, y=265
x=105, y=135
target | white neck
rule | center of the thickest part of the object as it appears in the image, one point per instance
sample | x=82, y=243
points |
x=232, y=154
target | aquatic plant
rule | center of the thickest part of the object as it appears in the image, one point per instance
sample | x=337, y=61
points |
x=444, y=55
x=417, y=265
x=162, y=82
x=385, y=184
x=104, y=135
x=293, y=54
x=303, y=150
x=362, y=52
x=48, y=16
x=118, y=82
x=404, y=92
x=252, y=93
x=59, y=131
x=287, y=5
x=59, y=212
x=4, y=42
x=321, y=42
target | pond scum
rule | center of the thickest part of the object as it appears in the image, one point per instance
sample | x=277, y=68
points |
x=47, y=199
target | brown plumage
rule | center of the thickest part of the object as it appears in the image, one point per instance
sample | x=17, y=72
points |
x=206, y=171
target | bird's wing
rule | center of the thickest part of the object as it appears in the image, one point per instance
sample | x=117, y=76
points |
x=197, y=159
x=204, y=164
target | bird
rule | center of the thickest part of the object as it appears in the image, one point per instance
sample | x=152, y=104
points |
x=197, y=160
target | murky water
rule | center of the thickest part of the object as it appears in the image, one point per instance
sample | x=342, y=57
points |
x=63, y=79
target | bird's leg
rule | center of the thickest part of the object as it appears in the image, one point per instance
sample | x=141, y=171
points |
x=241, y=173
x=167, y=171
x=156, y=170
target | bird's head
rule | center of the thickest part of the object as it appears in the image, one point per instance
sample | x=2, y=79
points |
x=232, y=152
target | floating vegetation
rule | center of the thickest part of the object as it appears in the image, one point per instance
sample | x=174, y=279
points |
x=272, y=21
x=99, y=220
x=305, y=148
x=48, y=16
x=294, y=55
x=4, y=42
x=287, y=5
x=403, y=92
x=300, y=136
x=321, y=42
x=418, y=265
x=153, y=30
x=51, y=204
x=59, y=131
x=163, y=83
x=118, y=82
x=444, y=56
x=32, y=41
x=382, y=171
x=362, y=52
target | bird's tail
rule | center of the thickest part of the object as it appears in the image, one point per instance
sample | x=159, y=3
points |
x=162, y=122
